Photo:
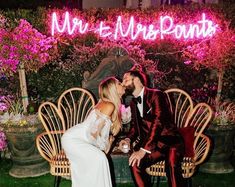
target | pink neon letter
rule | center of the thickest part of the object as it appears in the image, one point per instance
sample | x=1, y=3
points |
x=103, y=28
x=66, y=24
x=162, y=23
x=119, y=27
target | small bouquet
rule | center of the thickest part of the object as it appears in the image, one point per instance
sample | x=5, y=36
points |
x=125, y=114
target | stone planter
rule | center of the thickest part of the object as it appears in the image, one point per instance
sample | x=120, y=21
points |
x=27, y=162
x=220, y=158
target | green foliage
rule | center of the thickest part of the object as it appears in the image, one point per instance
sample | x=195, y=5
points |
x=179, y=75
x=55, y=78
x=229, y=83
x=50, y=81
x=67, y=71
x=36, y=17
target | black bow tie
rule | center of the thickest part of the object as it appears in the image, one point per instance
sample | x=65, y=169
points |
x=137, y=100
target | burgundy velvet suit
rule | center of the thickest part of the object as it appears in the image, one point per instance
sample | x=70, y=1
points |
x=156, y=133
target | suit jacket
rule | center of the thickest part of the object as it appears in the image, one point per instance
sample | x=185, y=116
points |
x=157, y=120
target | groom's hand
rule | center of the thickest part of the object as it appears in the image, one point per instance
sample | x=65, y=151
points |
x=136, y=157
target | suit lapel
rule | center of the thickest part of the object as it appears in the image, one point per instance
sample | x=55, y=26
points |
x=145, y=101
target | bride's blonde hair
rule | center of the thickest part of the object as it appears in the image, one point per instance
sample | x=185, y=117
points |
x=108, y=91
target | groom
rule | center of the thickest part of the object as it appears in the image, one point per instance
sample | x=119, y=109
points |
x=153, y=132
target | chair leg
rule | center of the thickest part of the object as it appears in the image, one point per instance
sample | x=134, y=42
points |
x=189, y=182
x=153, y=180
x=158, y=180
x=57, y=181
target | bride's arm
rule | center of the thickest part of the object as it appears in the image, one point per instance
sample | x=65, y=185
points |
x=111, y=140
x=104, y=142
x=106, y=109
x=96, y=132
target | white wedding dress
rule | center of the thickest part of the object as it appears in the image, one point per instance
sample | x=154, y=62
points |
x=89, y=165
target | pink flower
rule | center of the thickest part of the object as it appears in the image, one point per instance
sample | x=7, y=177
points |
x=26, y=45
x=3, y=142
x=188, y=62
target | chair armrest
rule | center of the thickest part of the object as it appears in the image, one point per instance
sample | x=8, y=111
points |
x=49, y=144
x=201, y=147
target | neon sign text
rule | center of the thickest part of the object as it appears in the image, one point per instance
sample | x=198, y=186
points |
x=165, y=27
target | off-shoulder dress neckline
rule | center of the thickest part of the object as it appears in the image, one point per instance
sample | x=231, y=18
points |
x=101, y=113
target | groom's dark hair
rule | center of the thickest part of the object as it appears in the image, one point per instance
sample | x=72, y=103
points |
x=140, y=75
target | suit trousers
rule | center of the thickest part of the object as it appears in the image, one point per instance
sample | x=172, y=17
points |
x=170, y=149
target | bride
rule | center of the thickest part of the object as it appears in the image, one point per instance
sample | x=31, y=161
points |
x=85, y=143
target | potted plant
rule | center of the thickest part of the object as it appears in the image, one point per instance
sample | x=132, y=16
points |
x=222, y=132
x=225, y=115
x=21, y=129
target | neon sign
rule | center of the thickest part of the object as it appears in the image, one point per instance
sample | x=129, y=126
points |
x=135, y=30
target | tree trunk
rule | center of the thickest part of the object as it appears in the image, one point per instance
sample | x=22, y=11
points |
x=23, y=87
x=219, y=89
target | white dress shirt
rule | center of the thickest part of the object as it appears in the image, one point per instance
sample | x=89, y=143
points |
x=140, y=105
